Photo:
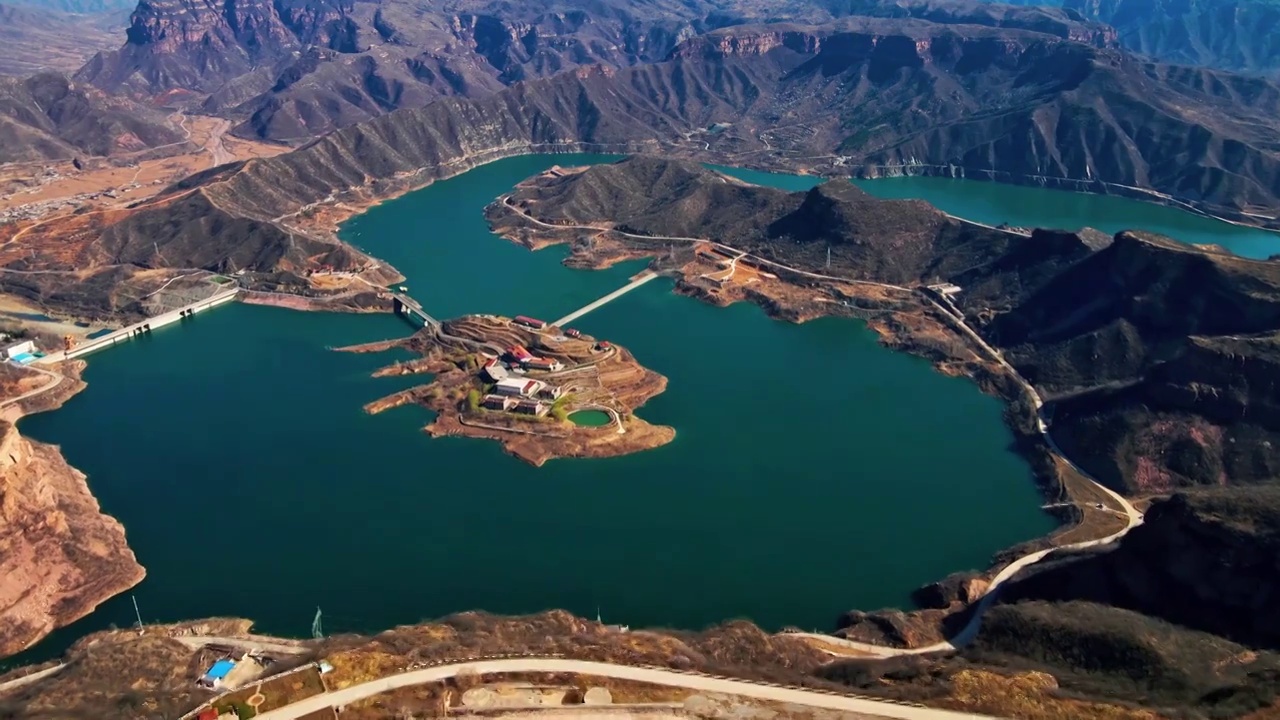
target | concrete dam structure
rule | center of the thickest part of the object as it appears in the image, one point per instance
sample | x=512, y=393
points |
x=144, y=327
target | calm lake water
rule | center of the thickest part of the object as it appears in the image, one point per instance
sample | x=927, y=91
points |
x=996, y=203
x=813, y=471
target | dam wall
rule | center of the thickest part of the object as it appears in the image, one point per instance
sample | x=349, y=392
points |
x=143, y=327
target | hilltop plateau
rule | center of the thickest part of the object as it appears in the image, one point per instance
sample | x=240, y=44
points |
x=295, y=70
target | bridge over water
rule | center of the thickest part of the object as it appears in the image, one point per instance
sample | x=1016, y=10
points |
x=636, y=282
x=406, y=306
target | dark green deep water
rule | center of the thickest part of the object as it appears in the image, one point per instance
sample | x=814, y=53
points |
x=813, y=471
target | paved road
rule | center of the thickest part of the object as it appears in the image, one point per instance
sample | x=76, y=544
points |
x=670, y=678
x=506, y=200
x=28, y=679
x=54, y=379
x=1133, y=518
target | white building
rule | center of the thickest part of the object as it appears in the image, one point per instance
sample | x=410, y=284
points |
x=18, y=348
x=523, y=387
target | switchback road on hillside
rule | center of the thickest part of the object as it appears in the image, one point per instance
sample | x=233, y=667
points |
x=670, y=678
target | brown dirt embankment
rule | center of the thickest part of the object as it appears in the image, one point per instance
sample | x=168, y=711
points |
x=112, y=675
x=60, y=556
x=592, y=376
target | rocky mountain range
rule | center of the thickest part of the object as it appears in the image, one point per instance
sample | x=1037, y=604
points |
x=1014, y=93
x=46, y=117
x=860, y=95
x=301, y=68
x=880, y=96
x=295, y=70
x=1229, y=34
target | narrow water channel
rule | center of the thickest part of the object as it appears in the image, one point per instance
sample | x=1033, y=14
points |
x=993, y=203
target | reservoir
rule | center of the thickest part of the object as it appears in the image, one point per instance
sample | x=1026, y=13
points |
x=993, y=203
x=813, y=471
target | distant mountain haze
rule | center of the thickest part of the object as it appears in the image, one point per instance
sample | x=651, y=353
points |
x=1241, y=35
x=80, y=7
x=36, y=36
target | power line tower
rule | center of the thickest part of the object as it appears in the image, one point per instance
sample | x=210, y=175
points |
x=316, y=631
x=828, y=257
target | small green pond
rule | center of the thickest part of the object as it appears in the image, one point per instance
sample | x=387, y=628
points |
x=591, y=418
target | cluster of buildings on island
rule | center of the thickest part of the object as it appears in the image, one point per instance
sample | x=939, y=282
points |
x=514, y=392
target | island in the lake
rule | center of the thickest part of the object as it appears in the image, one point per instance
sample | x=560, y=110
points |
x=541, y=390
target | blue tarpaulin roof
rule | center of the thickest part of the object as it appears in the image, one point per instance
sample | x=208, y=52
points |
x=220, y=669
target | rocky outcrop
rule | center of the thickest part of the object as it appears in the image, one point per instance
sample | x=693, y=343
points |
x=956, y=589
x=889, y=27
x=200, y=45
x=59, y=555
x=891, y=628
x=1208, y=560
x=301, y=68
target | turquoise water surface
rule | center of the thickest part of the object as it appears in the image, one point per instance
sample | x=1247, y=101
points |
x=813, y=471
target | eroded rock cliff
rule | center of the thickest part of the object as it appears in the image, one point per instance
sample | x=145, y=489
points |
x=60, y=556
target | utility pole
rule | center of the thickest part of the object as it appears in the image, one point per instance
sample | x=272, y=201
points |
x=136, y=612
